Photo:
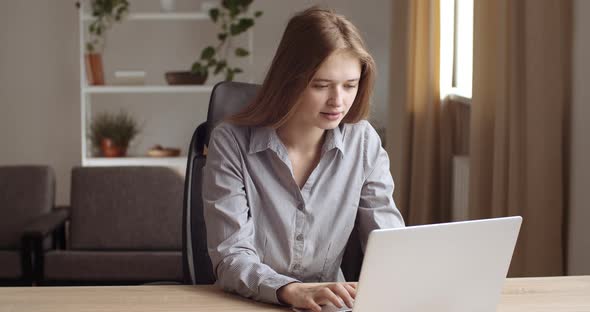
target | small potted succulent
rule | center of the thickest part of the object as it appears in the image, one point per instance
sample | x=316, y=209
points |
x=233, y=19
x=111, y=133
x=104, y=13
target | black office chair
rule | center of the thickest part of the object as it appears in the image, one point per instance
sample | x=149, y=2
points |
x=227, y=98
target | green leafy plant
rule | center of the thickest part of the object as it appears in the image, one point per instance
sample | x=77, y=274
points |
x=233, y=19
x=105, y=13
x=121, y=128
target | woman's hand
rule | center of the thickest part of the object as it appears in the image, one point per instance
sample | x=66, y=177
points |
x=311, y=296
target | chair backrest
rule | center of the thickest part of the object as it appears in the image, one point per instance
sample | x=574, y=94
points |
x=226, y=98
x=26, y=192
x=125, y=208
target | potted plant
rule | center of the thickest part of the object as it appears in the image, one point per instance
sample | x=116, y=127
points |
x=111, y=133
x=233, y=19
x=104, y=13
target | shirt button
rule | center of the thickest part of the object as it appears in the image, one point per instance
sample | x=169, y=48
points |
x=296, y=267
x=300, y=237
x=301, y=206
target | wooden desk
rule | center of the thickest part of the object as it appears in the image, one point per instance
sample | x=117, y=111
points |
x=546, y=294
x=550, y=294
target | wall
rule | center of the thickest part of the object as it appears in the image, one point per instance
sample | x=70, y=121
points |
x=39, y=98
x=579, y=235
x=39, y=74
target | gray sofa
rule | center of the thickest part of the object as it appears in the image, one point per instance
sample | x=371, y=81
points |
x=124, y=228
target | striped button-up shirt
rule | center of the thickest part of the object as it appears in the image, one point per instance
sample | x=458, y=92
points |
x=264, y=232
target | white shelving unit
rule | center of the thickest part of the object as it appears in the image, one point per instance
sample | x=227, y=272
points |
x=179, y=162
x=187, y=16
x=146, y=89
x=87, y=91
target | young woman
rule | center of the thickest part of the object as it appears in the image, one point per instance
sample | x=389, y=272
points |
x=286, y=178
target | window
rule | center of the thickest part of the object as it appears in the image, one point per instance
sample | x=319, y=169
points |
x=456, y=47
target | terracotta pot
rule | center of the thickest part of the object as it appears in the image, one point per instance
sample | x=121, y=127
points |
x=109, y=149
x=94, y=72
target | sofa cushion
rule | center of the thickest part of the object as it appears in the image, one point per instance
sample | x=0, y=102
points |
x=10, y=267
x=126, y=208
x=141, y=266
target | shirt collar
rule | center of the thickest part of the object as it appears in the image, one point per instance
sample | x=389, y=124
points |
x=262, y=138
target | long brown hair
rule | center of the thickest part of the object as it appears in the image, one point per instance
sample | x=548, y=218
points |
x=310, y=37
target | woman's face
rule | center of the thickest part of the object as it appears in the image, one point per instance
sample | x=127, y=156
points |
x=331, y=92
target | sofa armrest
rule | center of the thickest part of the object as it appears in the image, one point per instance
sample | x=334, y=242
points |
x=46, y=224
x=35, y=234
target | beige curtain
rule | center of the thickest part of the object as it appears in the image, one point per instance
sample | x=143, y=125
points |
x=520, y=106
x=421, y=189
x=518, y=138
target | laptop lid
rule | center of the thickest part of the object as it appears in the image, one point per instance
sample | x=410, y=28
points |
x=458, y=266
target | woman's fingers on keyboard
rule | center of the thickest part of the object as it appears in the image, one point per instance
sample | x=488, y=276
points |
x=327, y=295
x=351, y=290
x=343, y=293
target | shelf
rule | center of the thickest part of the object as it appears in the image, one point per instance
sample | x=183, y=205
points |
x=179, y=162
x=147, y=89
x=90, y=93
x=178, y=16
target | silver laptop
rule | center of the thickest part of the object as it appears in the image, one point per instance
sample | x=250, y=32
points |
x=447, y=267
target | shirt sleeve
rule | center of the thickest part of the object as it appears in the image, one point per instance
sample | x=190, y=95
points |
x=230, y=228
x=377, y=209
